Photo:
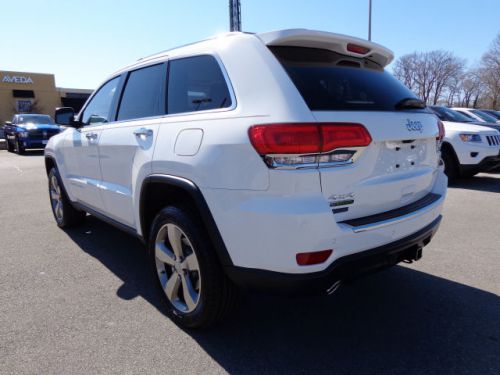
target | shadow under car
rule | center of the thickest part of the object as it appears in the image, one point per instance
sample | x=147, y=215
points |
x=397, y=321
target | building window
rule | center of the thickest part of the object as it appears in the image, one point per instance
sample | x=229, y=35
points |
x=23, y=94
x=23, y=106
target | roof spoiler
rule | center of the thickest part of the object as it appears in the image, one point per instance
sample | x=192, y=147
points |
x=344, y=44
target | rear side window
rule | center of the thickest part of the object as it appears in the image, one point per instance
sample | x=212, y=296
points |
x=447, y=114
x=486, y=117
x=331, y=81
x=196, y=84
x=143, y=95
x=466, y=114
x=99, y=108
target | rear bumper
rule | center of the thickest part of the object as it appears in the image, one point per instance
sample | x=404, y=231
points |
x=265, y=230
x=342, y=269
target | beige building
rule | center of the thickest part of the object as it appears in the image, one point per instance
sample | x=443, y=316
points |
x=22, y=92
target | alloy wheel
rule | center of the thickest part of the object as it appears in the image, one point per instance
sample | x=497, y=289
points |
x=56, y=198
x=177, y=268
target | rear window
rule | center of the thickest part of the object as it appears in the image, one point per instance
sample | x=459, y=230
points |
x=330, y=81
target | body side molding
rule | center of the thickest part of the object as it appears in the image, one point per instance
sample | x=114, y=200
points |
x=123, y=227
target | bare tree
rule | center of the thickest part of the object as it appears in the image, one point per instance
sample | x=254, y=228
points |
x=471, y=88
x=35, y=107
x=454, y=91
x=412, y=70
x=490, y=73
x=445, y=68
x=405, y=70
x=429, y=74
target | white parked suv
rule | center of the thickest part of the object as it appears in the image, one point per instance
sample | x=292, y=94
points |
x=477, y=115
x=468, y=148
x=287, y=160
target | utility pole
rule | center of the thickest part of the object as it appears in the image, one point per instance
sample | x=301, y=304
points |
x=234, y=15
x=369, y=20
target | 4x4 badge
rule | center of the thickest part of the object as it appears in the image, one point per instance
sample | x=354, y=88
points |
x=414, y=126
x=341, y=199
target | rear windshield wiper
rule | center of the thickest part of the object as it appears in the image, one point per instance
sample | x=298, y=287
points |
x=410, y=103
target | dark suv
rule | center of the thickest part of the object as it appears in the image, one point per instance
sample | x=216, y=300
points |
x=29, y=131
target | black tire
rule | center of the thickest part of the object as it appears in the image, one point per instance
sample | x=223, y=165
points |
x=68, y=216
x=216, y=294
x=9, y=146
x=19, y=149
x=450, y=164
x=468, y=174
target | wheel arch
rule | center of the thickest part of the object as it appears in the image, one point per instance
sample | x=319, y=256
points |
x=50, y=162
x=159, y=191
x=448, y=147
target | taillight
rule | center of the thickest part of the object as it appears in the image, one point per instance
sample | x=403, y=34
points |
x=441, y=130
x=357, y=49
x=439, y=138
x=308, y=145
x=344, y=135
x=285, y=138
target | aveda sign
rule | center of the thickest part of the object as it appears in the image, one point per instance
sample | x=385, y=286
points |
x=25, y=80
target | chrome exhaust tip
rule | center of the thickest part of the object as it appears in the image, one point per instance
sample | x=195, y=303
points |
x=418, y=254
x=332, y=289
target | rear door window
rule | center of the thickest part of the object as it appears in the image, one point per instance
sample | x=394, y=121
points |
x=331, y=81
x=143, y=95
x=196, y=84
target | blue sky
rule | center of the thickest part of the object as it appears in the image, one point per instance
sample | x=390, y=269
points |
x=82, y=41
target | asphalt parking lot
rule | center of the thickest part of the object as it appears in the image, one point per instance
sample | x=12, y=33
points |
x=82, y=302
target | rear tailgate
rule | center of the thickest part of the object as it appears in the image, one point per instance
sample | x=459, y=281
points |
x=396, y=169
x=342, y=80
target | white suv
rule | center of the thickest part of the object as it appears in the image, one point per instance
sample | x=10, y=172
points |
x=477, y=115
x=287, y=160
x=468, y=148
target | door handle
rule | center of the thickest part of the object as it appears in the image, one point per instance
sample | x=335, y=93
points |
x=143, y=132
x=91, y=136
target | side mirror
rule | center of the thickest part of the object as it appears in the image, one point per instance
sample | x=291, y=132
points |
x=8, y=122
x=65, y=116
